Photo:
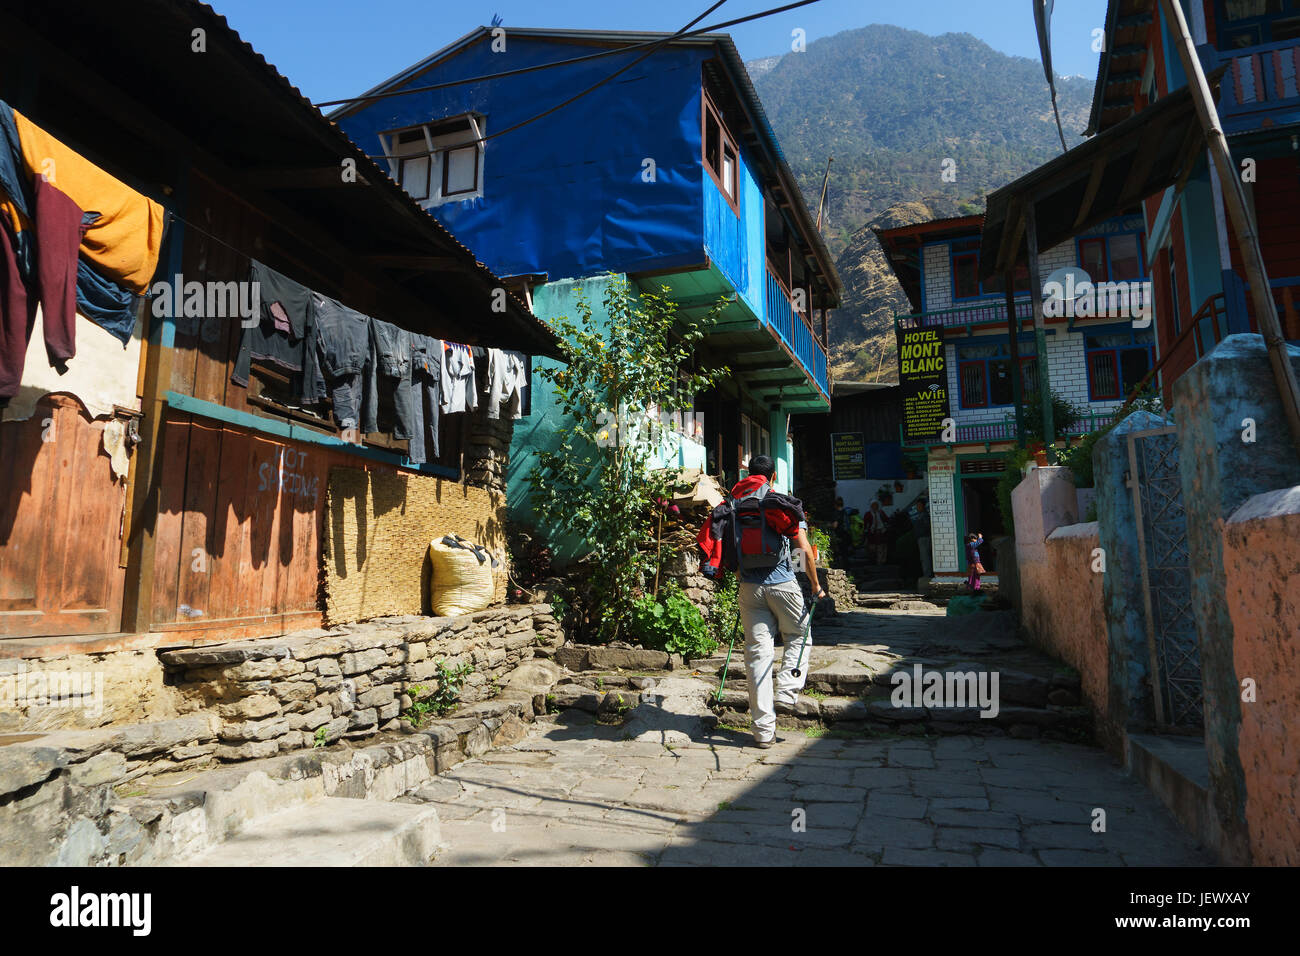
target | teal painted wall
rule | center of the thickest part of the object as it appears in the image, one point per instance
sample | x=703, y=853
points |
x=1205, y=273
x=783, y=480
x=544, y=428
x=735, y=244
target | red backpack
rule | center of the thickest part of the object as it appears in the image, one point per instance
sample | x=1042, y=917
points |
x=748, y=528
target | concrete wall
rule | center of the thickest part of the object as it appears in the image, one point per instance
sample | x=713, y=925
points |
x=1220, y=471
x=1060, y=594
x=1261, y=564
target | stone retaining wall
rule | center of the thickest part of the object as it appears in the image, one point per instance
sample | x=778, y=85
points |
x=274, y=696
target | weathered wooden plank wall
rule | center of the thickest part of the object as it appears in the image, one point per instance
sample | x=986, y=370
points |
x=60, y=524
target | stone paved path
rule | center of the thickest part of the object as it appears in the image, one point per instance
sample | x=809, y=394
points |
x=576, y=793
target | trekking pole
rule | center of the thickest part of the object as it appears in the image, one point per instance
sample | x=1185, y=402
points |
x=723, y=683
x=803, y=641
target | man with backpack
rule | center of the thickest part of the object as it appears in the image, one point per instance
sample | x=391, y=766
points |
x=751, y=535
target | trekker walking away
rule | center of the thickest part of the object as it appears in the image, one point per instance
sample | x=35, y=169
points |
x=752, y=535
x=973, y=542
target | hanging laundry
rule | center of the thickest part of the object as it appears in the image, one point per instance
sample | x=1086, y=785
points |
x=342, y=342
x=59, y=228
x=125, y=239
x=426, y=400
x=17, y=318
x=99, y=298
x=507, y=379
x=388, y=384
x=459, y=391
x=280, y=334
x=114, y=440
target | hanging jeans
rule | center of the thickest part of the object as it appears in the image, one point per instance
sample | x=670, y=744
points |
x=389, y=378
x=426, y=398
x=343, y=347
x=766, y=609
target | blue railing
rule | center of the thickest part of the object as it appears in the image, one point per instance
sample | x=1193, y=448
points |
x=790, y=327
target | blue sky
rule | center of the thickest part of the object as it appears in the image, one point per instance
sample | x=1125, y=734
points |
x=332, y=49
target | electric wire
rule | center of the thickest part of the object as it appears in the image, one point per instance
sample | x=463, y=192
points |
x=685, y=33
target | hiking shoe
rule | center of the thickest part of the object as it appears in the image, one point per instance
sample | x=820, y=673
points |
x=765, y=744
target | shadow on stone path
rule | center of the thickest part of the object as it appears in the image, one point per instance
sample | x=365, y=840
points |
x=578, y=792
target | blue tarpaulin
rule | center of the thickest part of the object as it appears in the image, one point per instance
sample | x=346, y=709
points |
x=582, y=168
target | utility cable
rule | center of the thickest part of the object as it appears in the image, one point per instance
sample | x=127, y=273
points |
x=683, y=34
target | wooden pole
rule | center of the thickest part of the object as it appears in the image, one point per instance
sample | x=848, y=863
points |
x=1013, y=345
x=1040, y=334
x=1243, y=225
x=822, y=200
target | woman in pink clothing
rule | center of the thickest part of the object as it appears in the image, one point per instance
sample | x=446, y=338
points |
x=973, y=542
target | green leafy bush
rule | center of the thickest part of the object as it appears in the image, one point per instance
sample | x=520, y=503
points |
x=1031, y=415
x=441, y=700
x=671, y=623
x=1078, y=458
x=820, y=540
x=722, y=614
x=621, y=362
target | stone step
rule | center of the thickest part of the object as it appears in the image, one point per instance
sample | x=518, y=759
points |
x=332, y=831
x=1068, y=722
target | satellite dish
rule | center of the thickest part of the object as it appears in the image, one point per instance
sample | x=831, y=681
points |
x=1067, y=282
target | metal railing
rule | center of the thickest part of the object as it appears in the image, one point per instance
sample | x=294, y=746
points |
x=792, y=328
x=977, y=313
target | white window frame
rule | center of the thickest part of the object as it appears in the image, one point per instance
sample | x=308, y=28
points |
x=436, y=147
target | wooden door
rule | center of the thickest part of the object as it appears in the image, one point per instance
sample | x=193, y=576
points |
x=61, y=511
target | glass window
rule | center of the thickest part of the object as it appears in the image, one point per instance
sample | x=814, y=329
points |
x=1103, y=383
x=460, y=170
x=965, y=275
x=974, y=393
x=1133, y=366
x=1000, y=383
x=1028, y=376
x=1246, y=9
x=1092, y=258
x=415, y=176
x=729, y=171
x=712, y=143
x=1125, y=257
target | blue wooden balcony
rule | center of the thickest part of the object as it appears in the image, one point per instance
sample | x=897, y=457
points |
x=794, y=330
x=1261, y=86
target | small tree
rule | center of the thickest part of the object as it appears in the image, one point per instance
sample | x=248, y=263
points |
x=622, y=381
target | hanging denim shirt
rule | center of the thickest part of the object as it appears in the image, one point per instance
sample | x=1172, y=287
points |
x=389, y=378
x=343, y=347
x=426, y=383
